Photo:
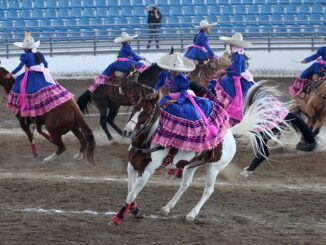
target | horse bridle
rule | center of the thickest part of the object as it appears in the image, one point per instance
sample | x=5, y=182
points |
x=152, y=117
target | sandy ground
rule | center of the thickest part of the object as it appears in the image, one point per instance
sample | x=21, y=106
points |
x=283, y=202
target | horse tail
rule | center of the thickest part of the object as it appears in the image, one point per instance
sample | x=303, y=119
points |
x=300, y=126
x=84, y=100
x=88, y=134
x=261, y=119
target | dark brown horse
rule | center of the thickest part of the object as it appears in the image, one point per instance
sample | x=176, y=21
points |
x=62, y=119
x=110, y=97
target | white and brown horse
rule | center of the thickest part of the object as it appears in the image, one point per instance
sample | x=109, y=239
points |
x=145, y=157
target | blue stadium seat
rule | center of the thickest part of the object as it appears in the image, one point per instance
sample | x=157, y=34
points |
x=213, y=2
x=134, y=20
x=235, y=2
x=202, y=10
x=38, y=13
x=315, y=19
x=123, y=20
x=279, y=9
x=138, y=3
x=224, y=2
x=253, y=9
x=251, y=20
x=101, y=12
x=303, y=19
x=12, y=14
x=85, y=22
x=177, y=2
x=14, y=4
x=7, y=24
x=215, y=10
x=98, y=21
x=3, y=4
x=70, y=22
x=186, y=19
x=76, y=4
x=309, y=1
x=27, y=4
x=63, y=4
x=228, y=9
x=317, y=9
x=271, y=2
x=149, y=2
x=248, y=2
x=114, y=11
x=20, y=24
x=51, y=4
x=320, y=1
x=39, y=4
x=304, y=9
x=266, y=9
x=240, y=10
x=58, y=23
x=124, y=3
x=238, y=20
x=176, y=11
x=284, y=1
x=241, y=29
x=2, y=14
x=60, y=34
x=298, y=1
x=189, y=10
x=76, y=12
x=225, y=20
x=162, y=3
x=101, y=4
x=276, y=19
x=173, y=21
x=63, y=12
x=89, y=12
x=26, y=14
x=90, y=4
x=264, y=19
x=260, y=2
x=199, y=2
x=126, y=11
x=198, y=19
x=165, y=10
x=292, y=9
x=212, y=18
x=139, y=11
x=290, y=19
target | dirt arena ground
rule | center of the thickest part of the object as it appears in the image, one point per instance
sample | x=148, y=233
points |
x=283, y=202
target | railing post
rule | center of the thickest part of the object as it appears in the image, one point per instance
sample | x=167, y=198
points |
x=51, y=48
x=312, y=43
x=7, y=49
x=182, y=42
x=94, y=45
x=269, y=43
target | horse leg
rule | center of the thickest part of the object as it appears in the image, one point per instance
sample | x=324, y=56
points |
x=44, y=134
x=103, y=112
x=25, y=127
x=132, y=177
x=57, y=140
x=262, y=154
x=140, y=182
x=228, y=152
x=79, y=155
x=113, y=111
x=188, y=174
x=318, y=125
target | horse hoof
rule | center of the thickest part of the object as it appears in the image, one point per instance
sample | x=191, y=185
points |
x=78, y=157
x=50, y=158
x=190, y=218
x=301, y=146
x=245, y=173
x=165, y=211
x=116, y=220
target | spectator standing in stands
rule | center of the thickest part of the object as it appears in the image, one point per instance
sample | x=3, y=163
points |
x=154, y=23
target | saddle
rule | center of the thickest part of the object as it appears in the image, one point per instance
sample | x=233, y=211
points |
x=123, y=81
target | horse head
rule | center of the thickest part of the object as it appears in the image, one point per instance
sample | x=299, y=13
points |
x=149, y=76
x=5, y=82
x=144, y=114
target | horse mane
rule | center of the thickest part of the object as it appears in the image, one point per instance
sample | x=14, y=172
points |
x=7, y=86
x=150, y=75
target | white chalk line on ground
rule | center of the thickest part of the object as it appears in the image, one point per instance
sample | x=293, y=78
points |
x=87, y=212
x=198, y=184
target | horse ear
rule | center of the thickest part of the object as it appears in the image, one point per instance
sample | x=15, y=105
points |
x=172, y=50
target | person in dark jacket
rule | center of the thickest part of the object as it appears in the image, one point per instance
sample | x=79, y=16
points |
x=154, y=23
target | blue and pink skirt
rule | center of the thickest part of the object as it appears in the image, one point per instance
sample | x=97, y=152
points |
x=183, y=127
x=40, y=97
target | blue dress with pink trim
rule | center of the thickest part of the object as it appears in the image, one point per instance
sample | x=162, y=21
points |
x=237, y=67
x=124, y=65
x=41, y=95
x=200, y=51
x=127, y=52
x=192, y=123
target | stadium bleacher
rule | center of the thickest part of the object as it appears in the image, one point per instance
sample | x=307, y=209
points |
x=242, y=15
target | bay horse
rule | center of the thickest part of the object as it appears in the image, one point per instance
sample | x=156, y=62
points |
x=145, y=157
x=62, y=119
x=108, y=98
x=311, y=101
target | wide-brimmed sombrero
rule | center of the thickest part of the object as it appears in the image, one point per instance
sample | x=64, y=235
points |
x=236, y=40
x=205, y=24
x=125, y=37
x=28, y=42
x=176, y=62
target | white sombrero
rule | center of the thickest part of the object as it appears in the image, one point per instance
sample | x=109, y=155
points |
x=28, y=42
x=124, y=37
x=236, y=40
x=205, y=24
x=176, y=62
